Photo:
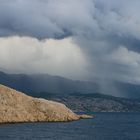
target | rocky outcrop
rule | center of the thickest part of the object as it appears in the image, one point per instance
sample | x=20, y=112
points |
x=18, y=107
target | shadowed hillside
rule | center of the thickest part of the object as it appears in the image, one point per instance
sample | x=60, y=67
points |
x=93, y=102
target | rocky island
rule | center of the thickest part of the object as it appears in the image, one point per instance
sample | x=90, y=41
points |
x=17, y=107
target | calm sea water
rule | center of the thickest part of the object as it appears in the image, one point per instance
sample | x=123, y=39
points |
x=106, y=126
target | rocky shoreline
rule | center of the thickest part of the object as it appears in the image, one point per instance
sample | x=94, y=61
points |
x=17, y=107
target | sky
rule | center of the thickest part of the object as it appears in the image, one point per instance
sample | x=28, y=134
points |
x=96, y=40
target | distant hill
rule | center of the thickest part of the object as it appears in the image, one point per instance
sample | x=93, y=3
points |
x=46, y=83
x=94, y=102
x=37, y=83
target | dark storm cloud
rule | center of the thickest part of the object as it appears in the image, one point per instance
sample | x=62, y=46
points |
x=98, y=19
x=43, y=19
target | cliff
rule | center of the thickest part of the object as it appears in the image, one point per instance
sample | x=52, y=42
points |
x=18, y=107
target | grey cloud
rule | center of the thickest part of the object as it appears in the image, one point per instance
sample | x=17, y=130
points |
x=43, y=19
x=98, y=19
x=99, y=27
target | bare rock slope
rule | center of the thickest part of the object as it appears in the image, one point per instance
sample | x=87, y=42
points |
x=18, y=107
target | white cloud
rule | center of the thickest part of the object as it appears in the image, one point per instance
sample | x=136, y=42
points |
x=28, y=55
x=125, y=57
x=125, y=65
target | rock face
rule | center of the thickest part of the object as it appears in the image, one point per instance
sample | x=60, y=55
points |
x=18, y=107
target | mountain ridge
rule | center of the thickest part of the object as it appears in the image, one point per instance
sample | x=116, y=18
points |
x=45, y=82
x=60, y=85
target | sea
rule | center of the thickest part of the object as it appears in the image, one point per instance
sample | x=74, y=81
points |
x=105, y=126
